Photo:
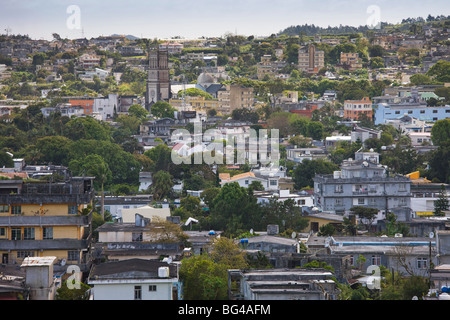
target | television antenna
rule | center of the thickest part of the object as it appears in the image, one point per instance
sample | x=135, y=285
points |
x=8, y=30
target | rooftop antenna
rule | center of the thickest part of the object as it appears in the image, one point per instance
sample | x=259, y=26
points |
x=8, y=30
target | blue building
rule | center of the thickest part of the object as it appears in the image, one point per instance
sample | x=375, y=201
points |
x=384, y=111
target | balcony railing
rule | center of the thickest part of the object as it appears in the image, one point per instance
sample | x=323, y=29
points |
x=20, y=220
x=55, y=244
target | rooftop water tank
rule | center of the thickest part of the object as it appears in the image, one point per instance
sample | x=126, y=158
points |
x=163, y=272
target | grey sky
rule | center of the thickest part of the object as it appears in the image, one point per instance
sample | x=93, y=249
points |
x=195, y=18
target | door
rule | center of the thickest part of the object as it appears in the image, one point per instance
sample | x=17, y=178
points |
x=5, y=259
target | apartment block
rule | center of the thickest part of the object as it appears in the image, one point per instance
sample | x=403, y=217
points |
x=40, y=219
x=361, y=182
x=234, y=97
x=310, y=60
x=351, y=61
x=384, y=112
x=353, y=109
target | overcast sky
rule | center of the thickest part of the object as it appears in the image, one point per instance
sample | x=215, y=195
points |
x=195, y=18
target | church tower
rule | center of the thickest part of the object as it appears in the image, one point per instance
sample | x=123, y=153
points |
x=158, y=83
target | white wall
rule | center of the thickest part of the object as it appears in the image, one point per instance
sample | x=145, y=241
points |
x=125, y=291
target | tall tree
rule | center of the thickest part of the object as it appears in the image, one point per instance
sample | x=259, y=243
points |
x=441, y=204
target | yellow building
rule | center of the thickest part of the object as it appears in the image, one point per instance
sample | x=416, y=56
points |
x=318, y=220
x=196, y=102
x=40, y=219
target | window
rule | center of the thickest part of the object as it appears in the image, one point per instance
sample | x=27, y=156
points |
x=301, y=202
x=137, y=293
x=422, y=263
x=435, y=111
x=73, y=209
x=376, y=260
x=152, y=288
x=402, y=202
x=2, y=231
x=73, y=255
x=422, y=111
x=361, y=201
x=273, y=182
x=47, y=233
x=28, y=233
x=402, y=187
x=338, y=188
x=246, y=181
x=136, y=236
x=338, y=202
x=4, y=208
x=16, y=234
x=24, y=254
x=16, y=209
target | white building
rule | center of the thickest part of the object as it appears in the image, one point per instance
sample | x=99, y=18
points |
x=134, y=279
x=104, y=107
x=245, y=179
x=283, y=195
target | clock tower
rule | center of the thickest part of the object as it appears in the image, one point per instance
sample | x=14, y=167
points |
x=158, y=83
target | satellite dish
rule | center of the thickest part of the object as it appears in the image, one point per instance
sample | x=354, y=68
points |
x=415, y=298
x=63, y=262
x=169, y=260
x=293, y=235
x=431, y=235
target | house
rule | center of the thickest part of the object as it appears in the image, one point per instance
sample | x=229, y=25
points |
x=406, y=255
x=134, y=279
x=301, y=198
x=361, y=183
x=171, y=47
x=245, y=179
x=233, y=97
x=157, y=127
x=409, y=124
x=106, y=107
x=319, y=219
x=88, y=61
x=353, y=109
x=115, y=204
x=310, y=60
x=140, y=239
x=300, y=154
x=362, y=134
x=12, y=283
x=384, y=112
x=86, y=103
x=420, y=138
x=146, y=211
x=145, y=180
x=41, y=219
x=283, y=284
